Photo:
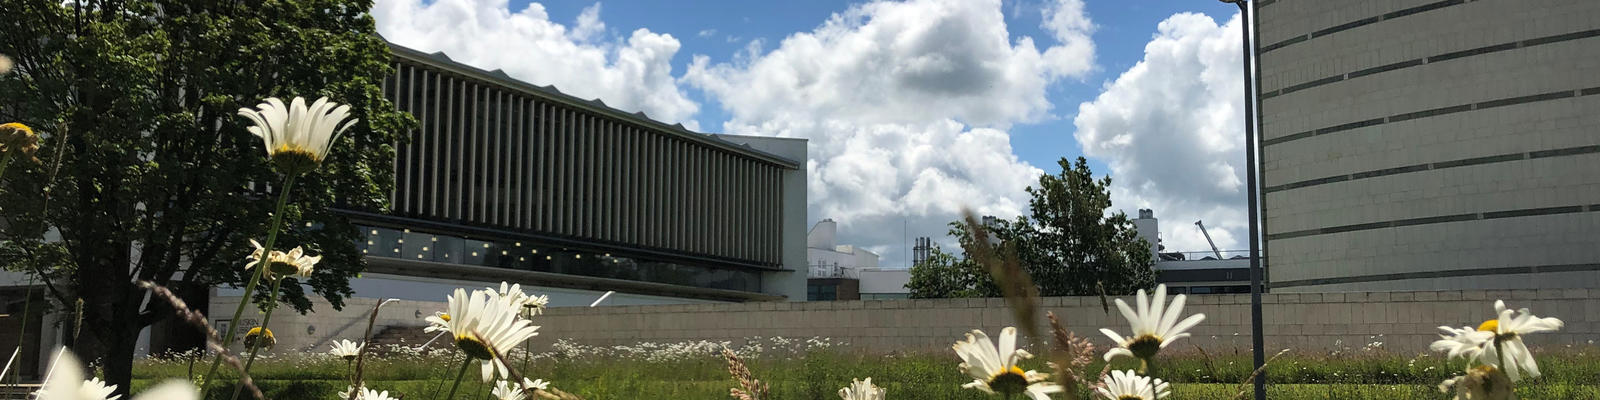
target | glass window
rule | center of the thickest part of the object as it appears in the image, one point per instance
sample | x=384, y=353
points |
x=422, y=246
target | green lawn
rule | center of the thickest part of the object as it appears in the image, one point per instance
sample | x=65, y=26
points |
x=1571, y=374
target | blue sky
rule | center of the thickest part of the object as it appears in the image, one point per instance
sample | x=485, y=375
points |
x=914, y=110
x=1121, y=30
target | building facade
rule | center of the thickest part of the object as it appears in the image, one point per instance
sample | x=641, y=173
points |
x=1424, y=144
x=504, y=180
x=1193, y=272
x=834, y=269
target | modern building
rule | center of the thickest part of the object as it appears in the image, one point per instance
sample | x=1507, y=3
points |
x=834, y=272
x=1422, y=144
x=885, y=283
x=507, y=181
x=504, y=180
x=1194, y=272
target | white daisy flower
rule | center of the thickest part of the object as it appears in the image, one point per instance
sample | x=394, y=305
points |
x=1154, y=327
x=535, y=384
x=511, y=292
x=439, y=322
x=66, y=383
x=297, y=137
x=1466, y=342
x=365, y=394
x=994, y=369
x=535, y=305
x=346, y=349
x=484, y=327
x=1508, y=329
x=281, y=264
x=504, y=390
x=529, y=304
x=862, y=390
x=1127, y=385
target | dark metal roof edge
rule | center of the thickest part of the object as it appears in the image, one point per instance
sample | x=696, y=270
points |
x=442, y=60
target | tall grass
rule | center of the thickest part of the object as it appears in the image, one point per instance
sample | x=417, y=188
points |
x=818, y=374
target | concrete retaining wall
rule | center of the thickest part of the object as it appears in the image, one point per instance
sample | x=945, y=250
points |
x=1406, y=321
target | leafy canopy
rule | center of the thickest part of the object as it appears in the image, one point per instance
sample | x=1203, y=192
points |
x=1069, y=244
x=148, y=174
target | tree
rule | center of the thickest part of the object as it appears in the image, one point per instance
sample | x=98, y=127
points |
x=945, y=275
x=149, y=175
x=1068, y=244
x=1076, y=248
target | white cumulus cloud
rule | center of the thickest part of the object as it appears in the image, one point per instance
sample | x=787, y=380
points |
x=1171, y=130
x=906, y=105
x=633, y=72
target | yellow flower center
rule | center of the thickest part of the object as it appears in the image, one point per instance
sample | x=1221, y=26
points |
x=1144, y=346
x=1129, y=397
x=282, y=269
x=445, y=317
x=294, y=160
x=1010, y=381
x=20, y=138
x=474, y=347
x=1492, y=325
x=262, y=334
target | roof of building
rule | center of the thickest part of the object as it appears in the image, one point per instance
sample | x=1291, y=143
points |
x=549, y=92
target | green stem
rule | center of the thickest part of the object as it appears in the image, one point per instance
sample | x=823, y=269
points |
x=249, y=288
x=527, y=355
x=272, y=304
x=434, y=393
x=27, y=305
x=5, y=161
x=464, y=364
x=1501, y=352
x=1150, y=371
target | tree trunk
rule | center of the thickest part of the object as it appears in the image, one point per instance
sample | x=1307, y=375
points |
x=110, y=334
x=108, y=329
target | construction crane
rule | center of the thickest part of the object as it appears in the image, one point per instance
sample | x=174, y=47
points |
x=1208, y=239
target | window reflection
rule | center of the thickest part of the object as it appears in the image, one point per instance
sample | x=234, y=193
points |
x=406, y=244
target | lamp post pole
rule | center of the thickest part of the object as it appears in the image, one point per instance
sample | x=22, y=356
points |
x=1257, y=340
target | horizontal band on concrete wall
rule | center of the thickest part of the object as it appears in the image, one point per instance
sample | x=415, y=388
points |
x=1357, y=23
x=1525, y=212
x=1433, y=59
x=1434, y=112
x=1534, y=269
x=1569, y=151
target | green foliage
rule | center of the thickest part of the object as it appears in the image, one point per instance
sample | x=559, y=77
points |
x=148, y=173
x=1073, y=247
x=1573, y=374
x=944, y=275
x=1068, y=244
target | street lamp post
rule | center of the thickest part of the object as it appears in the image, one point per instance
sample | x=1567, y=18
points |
x=1257, y=340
